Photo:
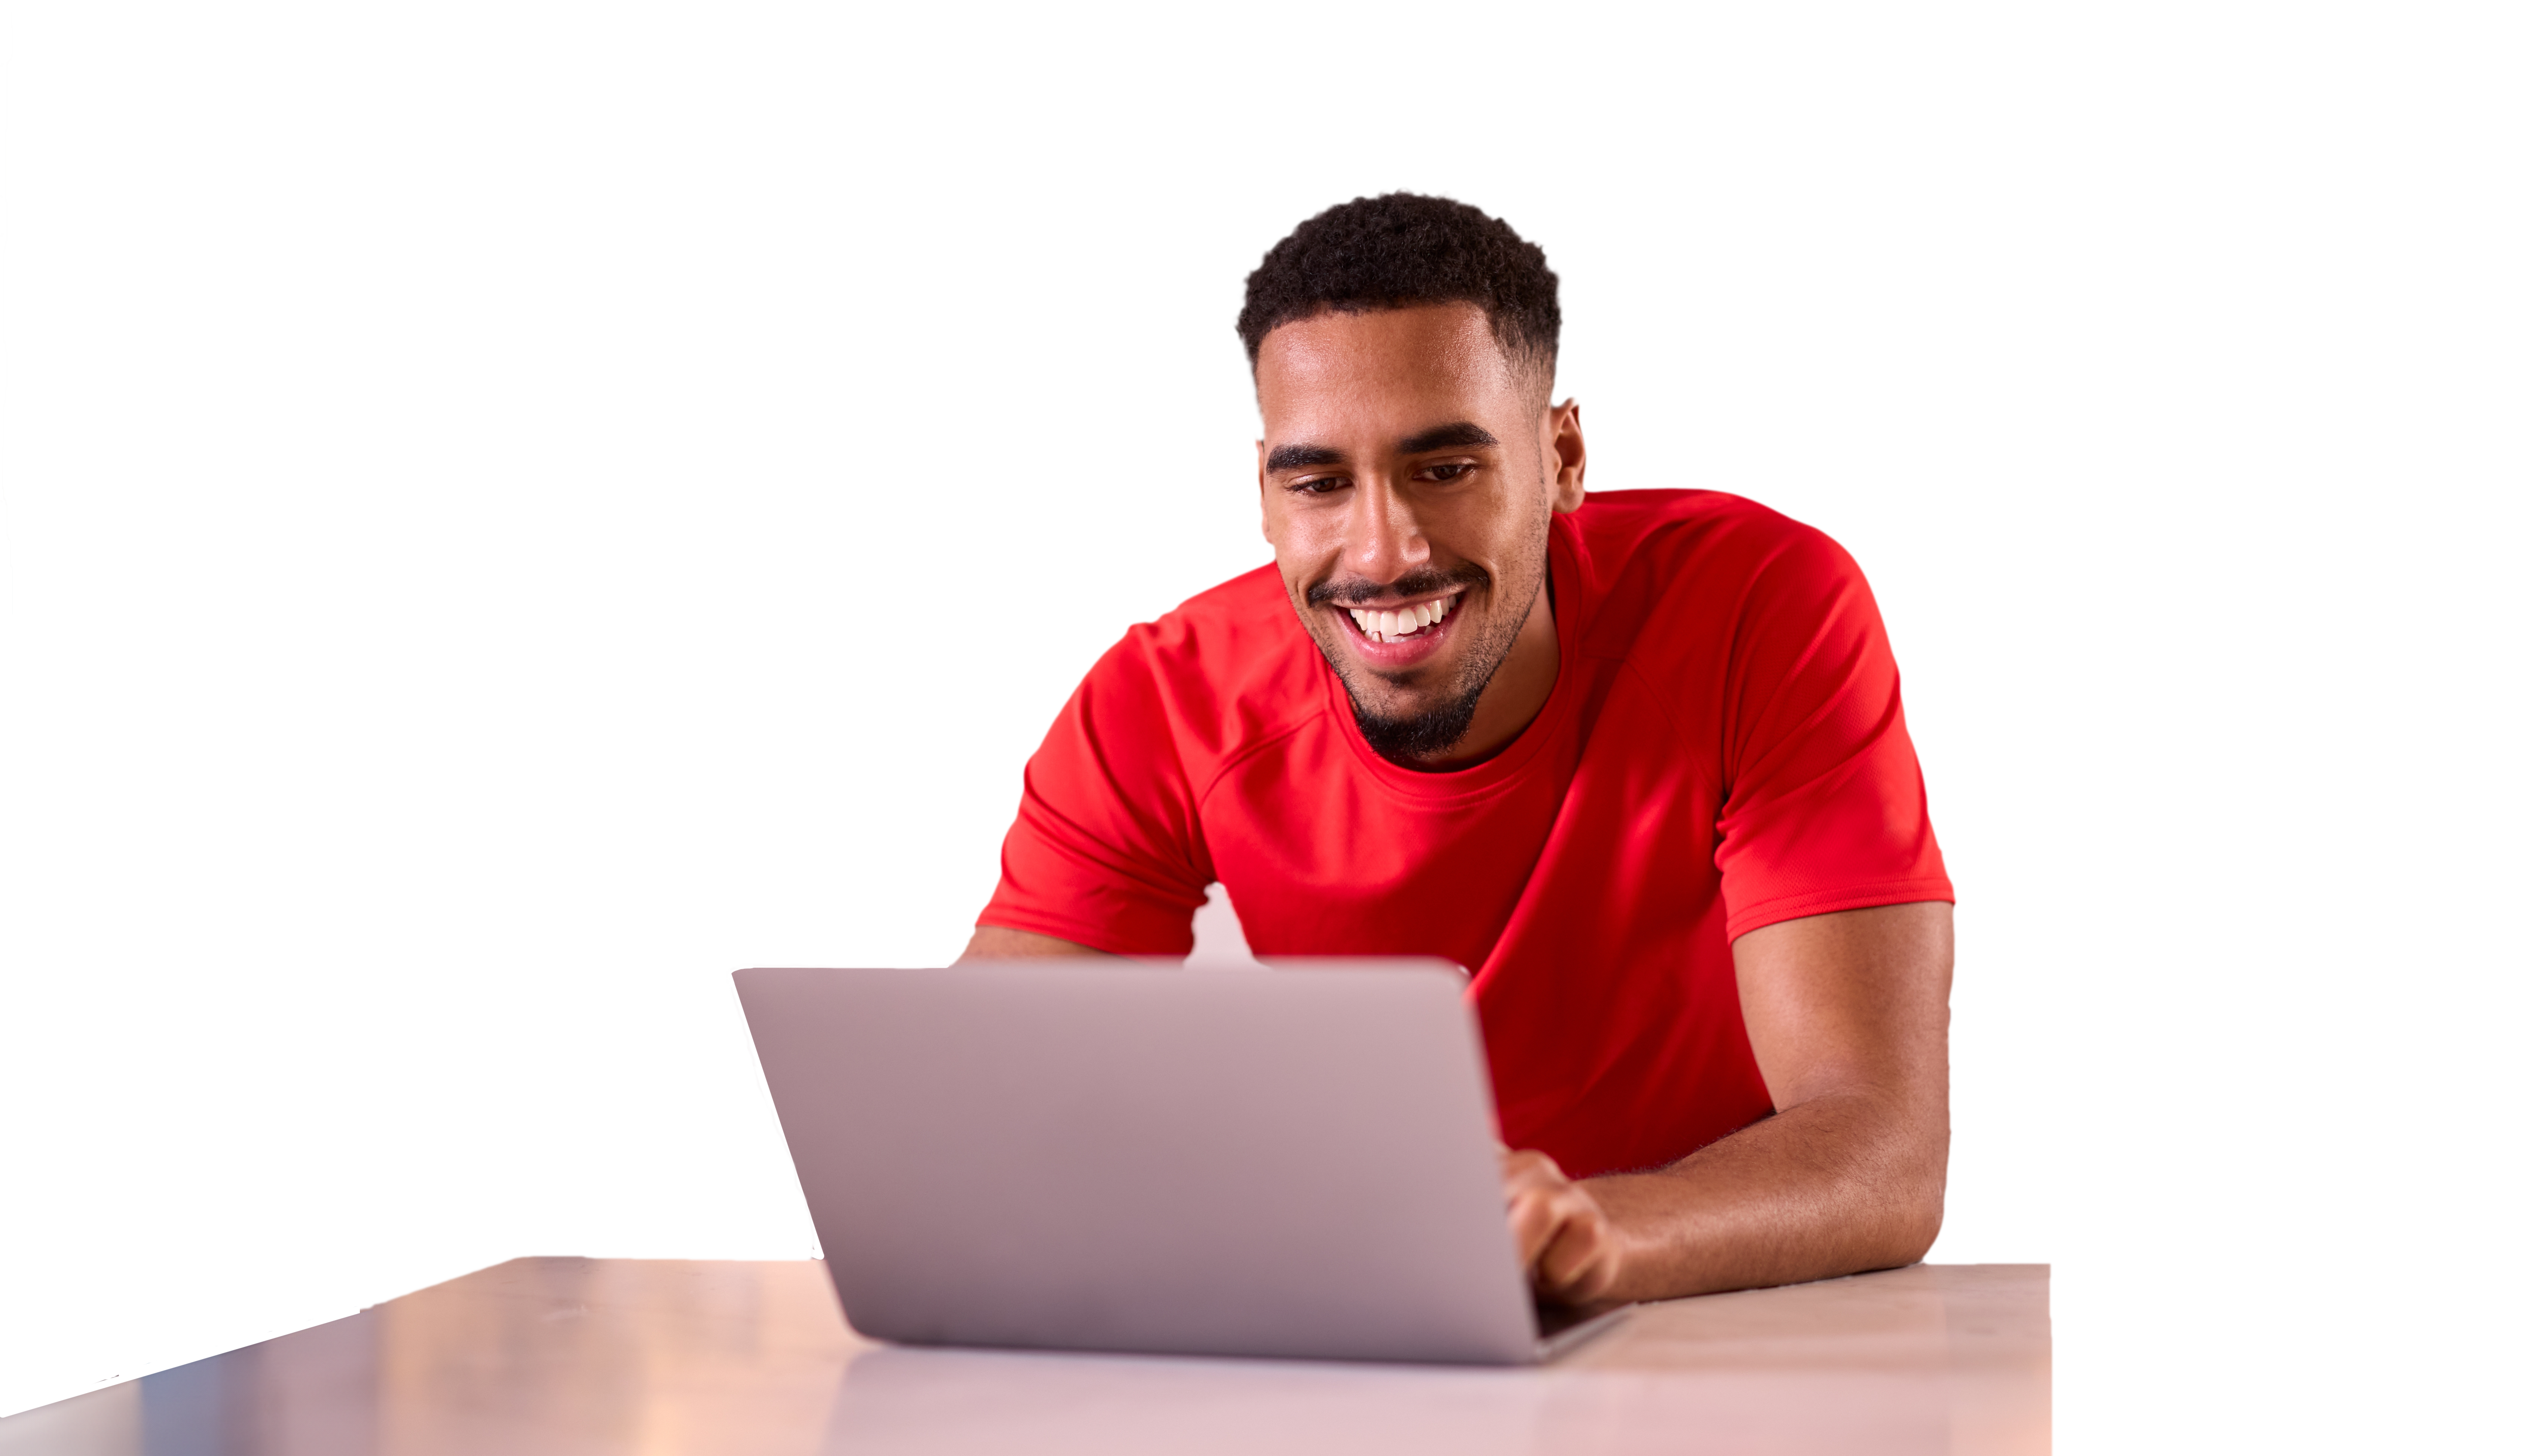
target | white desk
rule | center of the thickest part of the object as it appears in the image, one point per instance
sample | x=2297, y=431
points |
x=563, y=1357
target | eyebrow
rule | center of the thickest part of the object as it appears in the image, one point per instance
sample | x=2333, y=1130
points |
x=1463, y=433
x=1299, y=457
x=1446, y=437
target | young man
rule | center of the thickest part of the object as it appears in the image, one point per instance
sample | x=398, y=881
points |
x=1635, y=758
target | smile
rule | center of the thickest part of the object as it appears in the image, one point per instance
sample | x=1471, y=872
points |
x=1404, y=624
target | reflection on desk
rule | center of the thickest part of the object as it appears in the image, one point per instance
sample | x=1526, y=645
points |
x=560, y=1356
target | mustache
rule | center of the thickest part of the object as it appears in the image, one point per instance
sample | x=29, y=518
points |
x=1428, y=581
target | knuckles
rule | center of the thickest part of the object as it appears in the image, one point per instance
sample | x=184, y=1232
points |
x=1562, y=1233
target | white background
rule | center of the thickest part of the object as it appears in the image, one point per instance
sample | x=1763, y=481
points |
x=509, y=512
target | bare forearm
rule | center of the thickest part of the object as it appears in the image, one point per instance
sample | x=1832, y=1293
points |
x=999, y=943
x=1849, y=1015
x=1844, y=1183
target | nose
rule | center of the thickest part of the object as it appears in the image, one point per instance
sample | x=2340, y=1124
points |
x=1386, y=540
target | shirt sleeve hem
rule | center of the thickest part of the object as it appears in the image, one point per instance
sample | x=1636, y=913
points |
x=1830, y=901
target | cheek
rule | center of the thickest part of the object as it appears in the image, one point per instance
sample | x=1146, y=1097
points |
x=1513, y=539
x=1487, y=523
x=1300, y=566
x=1301, y=540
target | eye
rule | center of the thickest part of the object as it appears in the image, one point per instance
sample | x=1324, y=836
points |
x=1441, y=475
x=1324, y=485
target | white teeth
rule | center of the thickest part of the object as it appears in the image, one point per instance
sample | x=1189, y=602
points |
x=1397, y=623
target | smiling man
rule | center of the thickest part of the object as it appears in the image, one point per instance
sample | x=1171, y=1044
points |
x=1635, y=758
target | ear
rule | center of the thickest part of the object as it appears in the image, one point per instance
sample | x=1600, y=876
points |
x=1566, y=456
x=1262, y=493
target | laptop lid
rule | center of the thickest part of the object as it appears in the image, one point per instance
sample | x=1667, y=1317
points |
x=1128, y=1156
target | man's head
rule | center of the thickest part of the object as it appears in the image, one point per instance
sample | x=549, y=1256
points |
x=1403, y=351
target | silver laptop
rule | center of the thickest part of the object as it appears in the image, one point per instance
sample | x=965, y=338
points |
x=1135, y=1156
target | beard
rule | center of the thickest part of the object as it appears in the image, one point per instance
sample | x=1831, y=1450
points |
x=1408, y=739
x=1405, y=739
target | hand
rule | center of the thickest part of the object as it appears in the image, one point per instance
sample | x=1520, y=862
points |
x=1566, y=1244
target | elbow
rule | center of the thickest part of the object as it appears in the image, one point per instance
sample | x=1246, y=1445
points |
x=1920, y=1224
x=1915, y=1212
x=1901, y=1207
x=1917, y=1183
x=1899, y=1236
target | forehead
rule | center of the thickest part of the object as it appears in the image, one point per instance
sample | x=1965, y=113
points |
x=1391, y=373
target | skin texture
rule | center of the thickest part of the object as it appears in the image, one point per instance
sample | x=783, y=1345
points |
x=1848, y=1013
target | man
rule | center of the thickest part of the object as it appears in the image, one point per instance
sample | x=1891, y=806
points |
x=1635, y=758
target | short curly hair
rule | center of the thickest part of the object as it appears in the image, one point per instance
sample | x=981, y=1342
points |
x=1400, y=251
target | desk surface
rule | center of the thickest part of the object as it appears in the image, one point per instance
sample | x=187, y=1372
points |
x=562, y=1356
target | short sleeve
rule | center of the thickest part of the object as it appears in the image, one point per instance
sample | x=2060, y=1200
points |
x=1824, y=803
x=1106, y=849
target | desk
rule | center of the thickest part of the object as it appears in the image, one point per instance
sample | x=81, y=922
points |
x=563, y=1357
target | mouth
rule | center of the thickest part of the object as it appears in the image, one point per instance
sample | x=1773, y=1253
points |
x=1400, y=635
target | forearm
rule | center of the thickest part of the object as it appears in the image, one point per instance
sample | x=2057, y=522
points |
x=999, y=943
x=1847, y=1181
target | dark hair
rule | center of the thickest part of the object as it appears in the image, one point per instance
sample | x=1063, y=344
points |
x=1400, y=251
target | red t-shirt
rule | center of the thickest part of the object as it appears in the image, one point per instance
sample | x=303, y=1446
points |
x=1723, y=750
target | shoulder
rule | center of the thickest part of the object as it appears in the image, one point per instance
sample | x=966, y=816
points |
x=1696, y=561
x=1239, y=612
x=1226, y=668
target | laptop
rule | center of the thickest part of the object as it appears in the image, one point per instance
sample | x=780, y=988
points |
x=1135, y=1156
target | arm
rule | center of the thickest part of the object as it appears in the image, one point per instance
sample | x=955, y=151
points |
x=1847, y=1016
x=998, y=943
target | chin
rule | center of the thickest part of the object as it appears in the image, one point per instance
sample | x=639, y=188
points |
x=1405, y=694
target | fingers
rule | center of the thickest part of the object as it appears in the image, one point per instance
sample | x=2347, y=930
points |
x=1563, y=1238
x=1579, y=1262
x=1530, y=1183
x=1535, y=1223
